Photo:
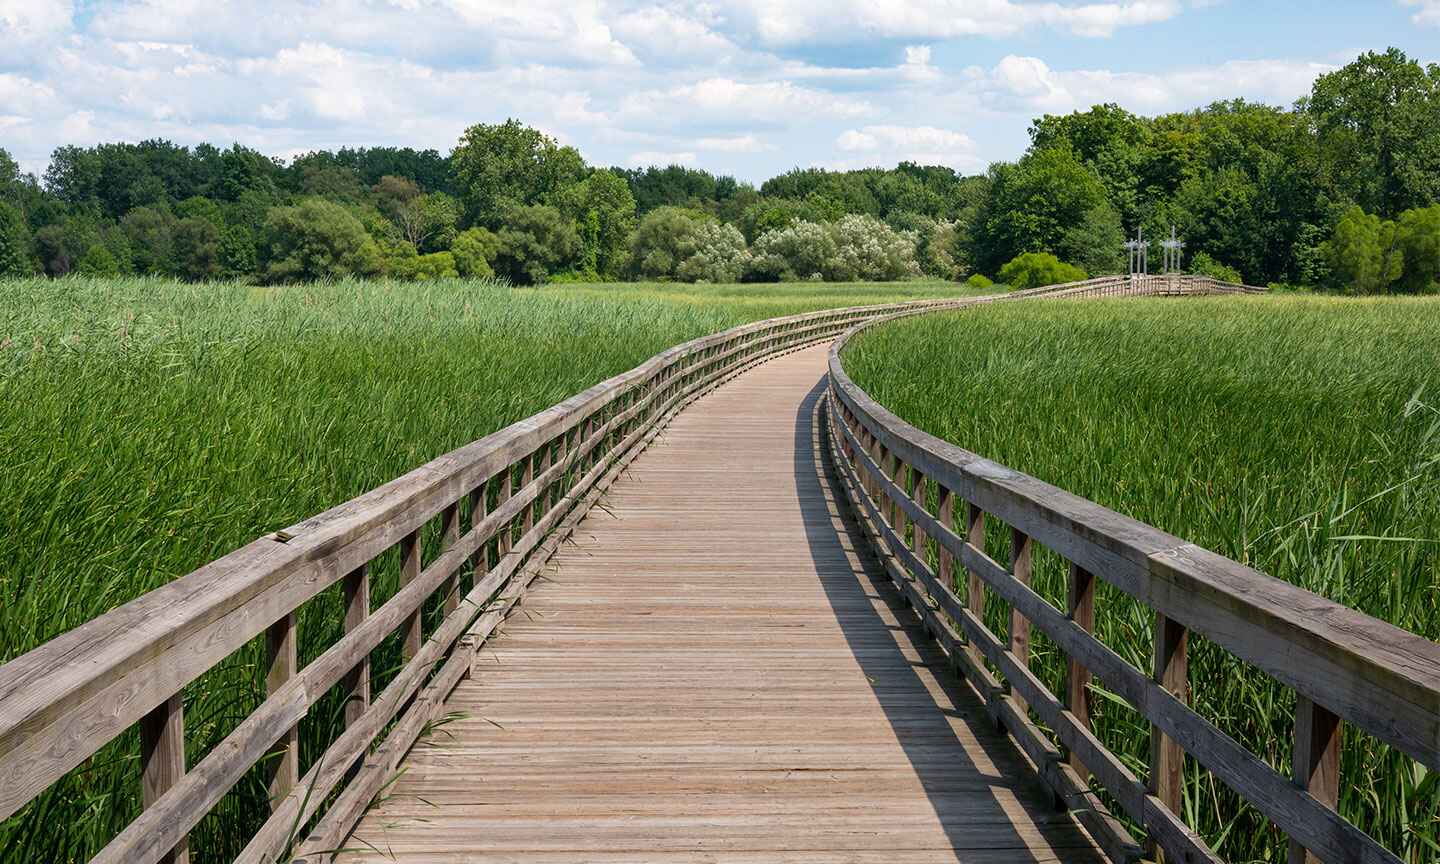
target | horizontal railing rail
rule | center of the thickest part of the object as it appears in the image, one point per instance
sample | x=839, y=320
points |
x=924, y=503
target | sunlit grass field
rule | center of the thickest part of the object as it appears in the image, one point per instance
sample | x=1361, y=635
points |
x=148, y=427
x=1299, y=435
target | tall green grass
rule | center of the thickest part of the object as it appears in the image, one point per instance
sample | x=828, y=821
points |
x=1298, y=435
x=147, y=427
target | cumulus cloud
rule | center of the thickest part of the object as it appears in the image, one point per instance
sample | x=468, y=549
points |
x=1029, y=84
x=1427, y=14
x=887, y=145
x=734, y=144
x=718, y=100
x=662, y=158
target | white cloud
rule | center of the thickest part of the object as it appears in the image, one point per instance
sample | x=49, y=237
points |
x=1428, y=14
x=718, y=100
x=657, y=157
x=927, y=145
x=798, y=21
x=734, y=144
x=1028, y=84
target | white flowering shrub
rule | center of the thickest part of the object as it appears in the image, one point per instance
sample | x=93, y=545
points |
x=869, y=250
x=801, y=250
x=713, y=253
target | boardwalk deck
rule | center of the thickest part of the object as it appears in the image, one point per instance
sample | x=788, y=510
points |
x=717, y=671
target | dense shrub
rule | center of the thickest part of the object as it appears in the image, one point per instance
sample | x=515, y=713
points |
x=663, y=240
x=869, y=250
x=1038, y=269
x=98, y=262
x=801, y=250
x=714, y=253
x=1365, y=254
x=535, y=242
x=1204, y=265
x=318, y=239
x=978, y=280
x=14, y=242
x=474, y=251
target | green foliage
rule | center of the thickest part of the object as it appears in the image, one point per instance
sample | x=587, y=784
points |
x=603, y=209
x=1296, y=434
x=801, y=250
x=237, y=251
x=1035, y=204
x=713, y=253
x=664, y=238
x=1204, y=265
x=474, y=251
x=869, y=250
x=317, y=239
x=1365, y=253
x=1038, y=269
x=196, y=247
x=150, y=231
x=1378, y=124
x=14, y=242
x=535, y=242
x=499, y=167
x=1419, y=237
x=98, y=262
x=979, y=282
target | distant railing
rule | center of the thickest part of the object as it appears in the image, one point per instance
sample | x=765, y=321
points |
x=500, y=505
x=923, y=500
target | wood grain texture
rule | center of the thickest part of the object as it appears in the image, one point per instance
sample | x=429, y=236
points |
x=749, y=688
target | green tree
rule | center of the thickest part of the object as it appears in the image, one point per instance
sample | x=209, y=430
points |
x=1365, y=253
x=98, y=262
x=1033, y=204
x=1378, y=125
x=15, y=257
x=603, y=206
x=498, y=167
x=537, y=241
x=1038, y=269
x=474, y=251
x=150, y=231
x=237, y=252
x=317, y=239
x=196, y=245
x=1419, y=232
x=1203, y=265
x=664, y=238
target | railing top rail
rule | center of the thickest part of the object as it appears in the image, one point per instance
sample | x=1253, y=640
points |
x=1379, y=677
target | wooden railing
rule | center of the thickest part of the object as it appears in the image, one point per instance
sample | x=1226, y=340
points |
x=925, y=504
x=500, y=506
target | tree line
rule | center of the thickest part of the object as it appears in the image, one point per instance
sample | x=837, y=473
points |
x=1338, y=191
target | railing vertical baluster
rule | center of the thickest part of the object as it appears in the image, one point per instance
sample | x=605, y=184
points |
x=527, y=476
x=409, y=572
x=162, y=757
x=1081, y=609
x=449, y=536
x=1172, y=672
x=975, y=591
x=544, y=496
x=357, y=606
x=480, y=558
x=945, y=513
x=917, y=539
x=1316, y=761
x=506, y=537
x=281, y=646
x=898, y=470
x=1021, y=567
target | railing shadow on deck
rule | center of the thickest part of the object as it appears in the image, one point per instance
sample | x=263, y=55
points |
x=1001, y=792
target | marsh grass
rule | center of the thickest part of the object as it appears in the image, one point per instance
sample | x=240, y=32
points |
x=148, y=427
x=1299, y=435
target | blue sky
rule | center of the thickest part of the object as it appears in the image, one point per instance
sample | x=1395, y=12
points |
x=750, y=88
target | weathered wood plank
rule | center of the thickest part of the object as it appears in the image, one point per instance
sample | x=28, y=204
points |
x=162, y=760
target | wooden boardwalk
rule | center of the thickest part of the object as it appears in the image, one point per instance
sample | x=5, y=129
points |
x=716, y=670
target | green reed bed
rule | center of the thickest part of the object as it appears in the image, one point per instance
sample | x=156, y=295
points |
x=1298, y=435
x=148, y=427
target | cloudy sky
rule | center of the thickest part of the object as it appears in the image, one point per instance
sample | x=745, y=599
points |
x=748, y=87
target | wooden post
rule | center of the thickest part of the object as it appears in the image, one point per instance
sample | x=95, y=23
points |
x=1021, y=567
x=1081, y=610
x=917, y=538
x=409, y=572
x=1316, y=761
x=281, y=647
x=357, y=607
x=898, y=470
x=449, y=536
x=162, y=759
x=480, y=558
x=1172, y=672
x=544, y=496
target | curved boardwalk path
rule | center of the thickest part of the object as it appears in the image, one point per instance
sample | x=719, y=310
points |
x=718, y=671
